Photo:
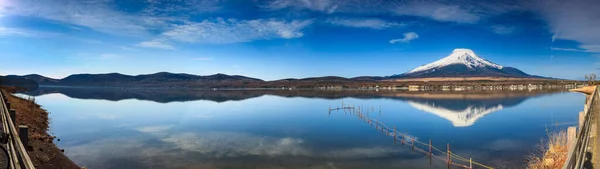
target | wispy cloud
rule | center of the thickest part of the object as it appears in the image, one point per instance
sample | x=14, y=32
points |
x=581, y=48
x=438, y=11
x=125, y=47
x=4, y=31
x=576, y=21
x=156, y=43
x=568, y=49
x=503, y=29
x=108, y=56
x=97, y=15
x=408, y=36
x=186, y=7
x=222, y=31
x=203, y=58
x=373, y=23
x=326, y=6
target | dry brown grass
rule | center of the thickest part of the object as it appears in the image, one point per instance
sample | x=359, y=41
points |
x=42, y=150
x=550, y=154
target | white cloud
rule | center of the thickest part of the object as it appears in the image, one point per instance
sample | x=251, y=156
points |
x=581, y=48
x=503, y=29
x=373, y=23
x=576, y=21
x=124, y=47
x=408, y=36
x=95, y=14
x=162, y=7
x=233, y=31
x=438, y=11
x=568, y=49
x=326, y=6
x=591, y=48
x=156, y=43
x=6, y=31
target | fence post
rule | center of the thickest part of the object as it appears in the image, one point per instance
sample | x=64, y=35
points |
x=571, y=137
x=13, y=116
x=448, y=153
x=430, y=148
x=470, y=163
x=402, y=138
x=24, y=135
x=581, y=119
x=394, y=134
x=413, y=144
x=430, y=155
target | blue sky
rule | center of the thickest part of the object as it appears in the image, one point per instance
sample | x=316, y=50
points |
x=293, y=38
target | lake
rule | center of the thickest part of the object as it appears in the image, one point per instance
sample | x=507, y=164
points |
x=134, y=128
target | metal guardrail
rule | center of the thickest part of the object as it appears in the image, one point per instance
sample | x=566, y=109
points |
x=577, y=155
x=16, y=151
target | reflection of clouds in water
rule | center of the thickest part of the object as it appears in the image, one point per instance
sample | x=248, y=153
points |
x=106, y=116
x=213, y=148
x=151, y=129
x=359, y=152
x=506, y=145
x=232, y=144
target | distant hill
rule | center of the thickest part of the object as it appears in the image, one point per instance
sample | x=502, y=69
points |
x=18, y=81
x=161, y=79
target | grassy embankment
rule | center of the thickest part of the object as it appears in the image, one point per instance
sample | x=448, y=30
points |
x=550, y=154
x=42, y=150
x=553, y=153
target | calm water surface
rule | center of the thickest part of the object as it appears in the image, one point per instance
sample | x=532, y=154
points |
x=196, y=129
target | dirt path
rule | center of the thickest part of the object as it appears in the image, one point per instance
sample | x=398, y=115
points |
x=42, y=150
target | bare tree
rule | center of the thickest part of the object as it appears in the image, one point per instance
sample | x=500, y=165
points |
x=591, y=79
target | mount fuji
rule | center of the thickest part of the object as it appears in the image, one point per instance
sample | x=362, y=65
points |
x=464, y=63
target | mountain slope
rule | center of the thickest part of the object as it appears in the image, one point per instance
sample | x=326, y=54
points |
x=463, y=63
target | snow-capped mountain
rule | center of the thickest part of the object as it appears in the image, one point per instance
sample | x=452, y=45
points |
x=463, y=63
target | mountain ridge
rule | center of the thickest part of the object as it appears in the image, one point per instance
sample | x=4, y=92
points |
x=464, y=63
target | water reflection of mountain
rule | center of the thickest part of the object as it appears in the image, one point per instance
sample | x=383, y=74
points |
x=455, y=101
x=464, y=109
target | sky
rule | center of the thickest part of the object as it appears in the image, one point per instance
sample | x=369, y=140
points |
x=276, y=39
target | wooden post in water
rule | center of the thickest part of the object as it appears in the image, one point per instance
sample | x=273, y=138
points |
x=413, y=144
x=24, y=135
x=448, y=154
x=430, y=148
x=470, y=163
x=394, y=134
x=402, y=138
x=430, y=152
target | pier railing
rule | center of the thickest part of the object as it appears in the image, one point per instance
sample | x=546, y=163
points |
x=18, y=157
x=579, y=152
x=403, y=139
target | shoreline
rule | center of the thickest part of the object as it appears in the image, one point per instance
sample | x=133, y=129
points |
x=42, y=150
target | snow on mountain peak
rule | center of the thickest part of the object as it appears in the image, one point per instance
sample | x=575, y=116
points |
x=458, y=56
